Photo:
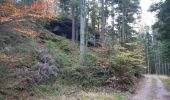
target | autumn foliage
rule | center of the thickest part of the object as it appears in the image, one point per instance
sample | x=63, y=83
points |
x=11, y=11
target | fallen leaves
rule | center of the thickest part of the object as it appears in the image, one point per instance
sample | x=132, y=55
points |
x=27, y=32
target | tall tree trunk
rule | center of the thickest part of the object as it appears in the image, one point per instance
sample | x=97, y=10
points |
x=148, y=61
x=155, y=61
x=82, y=32
x=76, y=25
x=102, y=33
x=87, y=22
x=113, y=22
x=168, y=69
x=123, y=25
x=159, y=62
x=73, y=23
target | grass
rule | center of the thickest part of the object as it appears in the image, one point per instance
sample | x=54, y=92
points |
x=84, y=95
x=166, y=81
x=50, y=90
x=64, y=52
x=61, y=92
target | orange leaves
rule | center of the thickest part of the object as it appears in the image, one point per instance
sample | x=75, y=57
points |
x=17, y=13
x=11, y=12
x=8, y=6
x=37, y=6
x=27, y=32
x=39, y=9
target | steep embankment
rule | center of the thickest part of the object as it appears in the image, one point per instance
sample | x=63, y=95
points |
x=22, y=61
x=35, y=63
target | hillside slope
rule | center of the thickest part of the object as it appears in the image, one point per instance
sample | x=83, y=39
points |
x=36, y=63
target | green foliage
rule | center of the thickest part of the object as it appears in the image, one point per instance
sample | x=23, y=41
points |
x=88, y=75
x=133, y=8
x=128, y=62
x=62, y=16
x=64, y=52
x=50, y=90
x=165, y=49
x=162, y=25
x=54, y=48
x=61, y=44
x=90, y=59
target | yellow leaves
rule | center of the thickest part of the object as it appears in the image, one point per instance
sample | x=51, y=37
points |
x=27, y=32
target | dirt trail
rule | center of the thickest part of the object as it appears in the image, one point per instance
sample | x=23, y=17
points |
x=151, y=88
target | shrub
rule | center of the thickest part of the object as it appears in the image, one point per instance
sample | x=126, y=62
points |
x=90, y=59
x=88, y=75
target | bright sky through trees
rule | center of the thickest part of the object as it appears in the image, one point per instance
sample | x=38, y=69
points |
x=148, y=18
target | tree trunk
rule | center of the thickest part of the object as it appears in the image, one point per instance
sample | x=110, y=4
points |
x=73, y=23
x=148, y=61
x=168, y=69
x=87, y=22
x=113, y=22
x=123, y=26
x=82, y=32
x=102, y=33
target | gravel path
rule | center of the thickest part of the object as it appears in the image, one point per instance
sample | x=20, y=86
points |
x=151, y=88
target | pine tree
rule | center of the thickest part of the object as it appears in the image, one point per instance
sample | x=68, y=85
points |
x=163, y=26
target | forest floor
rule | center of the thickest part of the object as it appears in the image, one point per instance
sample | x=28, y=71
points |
x=151, y=88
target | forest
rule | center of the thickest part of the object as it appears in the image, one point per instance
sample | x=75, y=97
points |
x=84, y=50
